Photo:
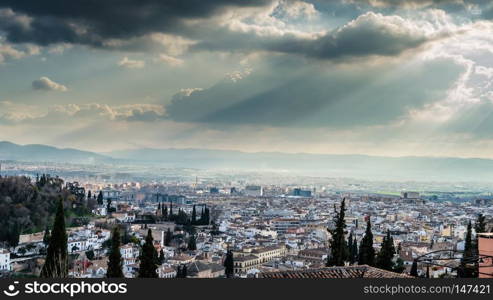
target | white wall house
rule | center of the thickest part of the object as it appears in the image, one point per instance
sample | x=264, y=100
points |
x=5, y=260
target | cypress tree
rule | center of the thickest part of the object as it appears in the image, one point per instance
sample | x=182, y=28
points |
x=465, y=270
x=115, y=262
x=194, y=216
x=100, y=198
x=202, y=216
x=353, y=248
x=56, y=263
x=148, y=258
x=354, y=258
x=165, y=213
x=161, y=257
x=168, y=238
x=207, y=217
x=108, y=206
x=386, y=254
x=338, y=246
x=414, y=269
x=229, y=264
x=350, y=243
x=89, y=196
x=479, y=227
x=192, y=243
x=366, y=250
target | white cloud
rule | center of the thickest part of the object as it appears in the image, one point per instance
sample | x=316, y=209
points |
x=59, y=48
x=46, y=84
x=170, y=60
x=131, y=64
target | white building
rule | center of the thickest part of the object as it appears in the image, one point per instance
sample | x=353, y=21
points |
x=5, y=260
x=77, y=245
x=166, y=271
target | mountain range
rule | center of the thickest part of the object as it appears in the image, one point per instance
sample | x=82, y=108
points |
x=358, y=166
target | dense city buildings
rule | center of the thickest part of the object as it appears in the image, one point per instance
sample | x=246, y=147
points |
x=279, y=228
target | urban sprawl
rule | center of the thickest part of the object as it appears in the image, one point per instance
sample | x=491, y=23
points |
x=205, y=227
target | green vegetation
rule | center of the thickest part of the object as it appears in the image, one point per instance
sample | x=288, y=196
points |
x=385, y=257
x=56, y=263
x=27, y=207
x=229, y=264
x=339, y=251
x=148, y=258
x=115, y=262
x=366, y=250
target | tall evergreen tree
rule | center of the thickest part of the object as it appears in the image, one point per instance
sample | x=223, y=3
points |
x=366, y=250
x=414, y=269
x=148, y=258
x=164, y=212
x=168, y=238
x=161, y=257
x=115, y=262
x=479, y=227
x=338, y=246
x=89, y=196
x=354, y=251
x=100, y=198
x=465, y=269
x=353, y=248
x=170, y=216
x=108, y=206
x=56, y=263
x=229, y=264
x=192, y=243
x=385, y=257
x=194, y=216
x=207, y=217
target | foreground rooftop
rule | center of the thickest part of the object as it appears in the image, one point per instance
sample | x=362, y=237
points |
x=363, y=271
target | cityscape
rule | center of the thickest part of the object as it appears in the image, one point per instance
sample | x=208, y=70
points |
x=273, y=226
x=266, y=139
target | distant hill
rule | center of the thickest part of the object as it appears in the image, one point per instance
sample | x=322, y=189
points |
x=42, y=153
x=357, y=166
x=362, y=166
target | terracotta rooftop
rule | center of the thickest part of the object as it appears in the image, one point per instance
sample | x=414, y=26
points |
x=363, y=271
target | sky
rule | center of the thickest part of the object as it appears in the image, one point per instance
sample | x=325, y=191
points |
x=376, y=77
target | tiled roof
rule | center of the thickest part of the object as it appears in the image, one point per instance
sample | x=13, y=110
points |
x=363, y=271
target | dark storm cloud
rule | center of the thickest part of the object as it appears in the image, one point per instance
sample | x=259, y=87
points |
x=318, y=96
x=369, y=34
x=94, y=21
